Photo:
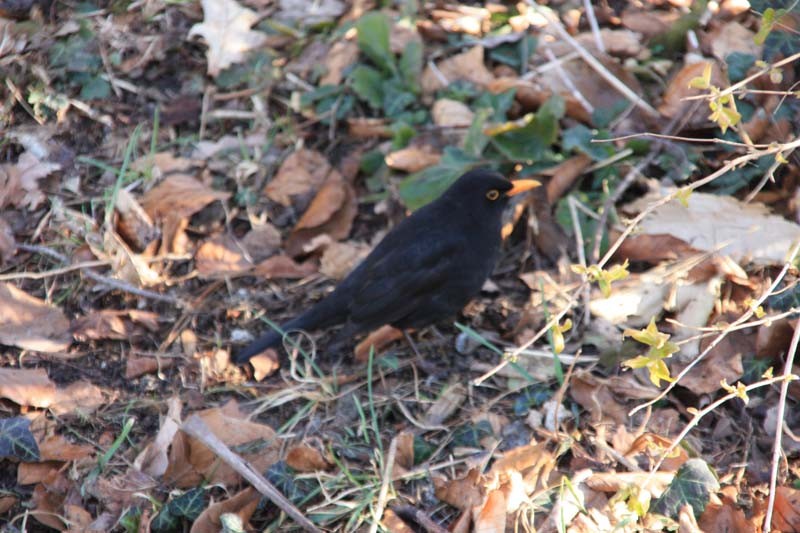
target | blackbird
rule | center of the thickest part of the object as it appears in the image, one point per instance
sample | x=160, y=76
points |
x=424, y=270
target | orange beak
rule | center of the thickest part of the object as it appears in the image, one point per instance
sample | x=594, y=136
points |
x=522, y=186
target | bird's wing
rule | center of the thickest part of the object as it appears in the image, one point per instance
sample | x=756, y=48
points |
x=404, y=278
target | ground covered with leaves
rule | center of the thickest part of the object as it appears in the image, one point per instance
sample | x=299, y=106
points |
x=177, y=177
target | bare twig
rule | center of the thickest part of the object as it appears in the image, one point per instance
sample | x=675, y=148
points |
x=598, y=39
x=383, y=495
x=776, y=446
x=113, y=283
x=195, y=427
x=618, y=85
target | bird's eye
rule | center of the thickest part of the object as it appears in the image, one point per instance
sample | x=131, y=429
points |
x=493, y=195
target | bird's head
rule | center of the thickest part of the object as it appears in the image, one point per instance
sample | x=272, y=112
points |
x=487, y=190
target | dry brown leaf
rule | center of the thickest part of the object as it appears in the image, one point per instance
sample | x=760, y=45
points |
x=464, y=493
x=653, y=248
x=564, y=176
x=341, y=55
x=190, y=461
x=723, y=362
x=724, y=224
x=281, y=266
x=534, y=461
x=133, y=223
x=242, y=504
x=649, y=23
x=81, y=398
x=298, y=178
x=413, y=158
x=162, y=164
x=31, y=323
x=724, y=517
x=467, y=66
x=773, y=338
x=596, y=398
x=226, y=30
x=19, y=185
x=731, y=37
x=114, y=324
x=368, y=128
x=27, y=386
x=674, y=101
x=491, y=516
x=304, y=458
x=339, y=258
x=265, y=364
x=8, y=245
x=653, y=446
x=58, y=448
x=331, y=214
x=451, y=114
x=376, y=341
x=6, y=503
x=32, y=473
x=445, y=405
x=179, y=195
x=153, y=460
x=787, y=509
x=49, y=497
x=393, y=523
x=136, y=366
x=405, y=449
x=220, y=256
x=262, y=241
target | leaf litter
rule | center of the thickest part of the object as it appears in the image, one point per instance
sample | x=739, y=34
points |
x=286, y=138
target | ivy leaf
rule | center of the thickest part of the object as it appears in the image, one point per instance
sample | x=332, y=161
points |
x=16, y=440
x=529, y=141
x=693, y=484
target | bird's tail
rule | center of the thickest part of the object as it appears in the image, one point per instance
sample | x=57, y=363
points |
x=322, y=315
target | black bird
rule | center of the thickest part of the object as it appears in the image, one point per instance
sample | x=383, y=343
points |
x=424, y=270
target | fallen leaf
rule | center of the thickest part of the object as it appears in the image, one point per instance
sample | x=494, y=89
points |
x=58, y=448
x=721, y=224
x=491, y=516
x=190, y=462
x=341, y=55
x=304, y=458
x=564, y=175
x=136, y=366
x=179, y=195
x=339, y=258
x=220, y=256
x=226, y=30
x=8, y=245
x=300, y=175
x=283, y=267
x=153, y=460
x=594, y=396
x=243, y=504
x=81, y=398
x=464, y=493
x=445, y=405
x=451, y=114
x=376, y=341
x=723, y=362
x=19, y=182
x=133, y=223
x=114, y=324
x=31, y=323
x=787, y=509
x=413, y=158
x=49, y=497
x=265, y=364
x=331, y=213
x=730, y=37
x=368, y=128
x=262, y=241
x=674, y=100
x=650, y=22
x=467, y=66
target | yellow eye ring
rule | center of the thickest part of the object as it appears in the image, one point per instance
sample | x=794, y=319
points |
x=493, y=195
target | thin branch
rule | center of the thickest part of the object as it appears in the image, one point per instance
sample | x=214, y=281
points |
x=195, y=427
x=776, y=446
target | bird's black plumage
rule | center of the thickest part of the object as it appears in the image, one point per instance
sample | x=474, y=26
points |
x=424, y=270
